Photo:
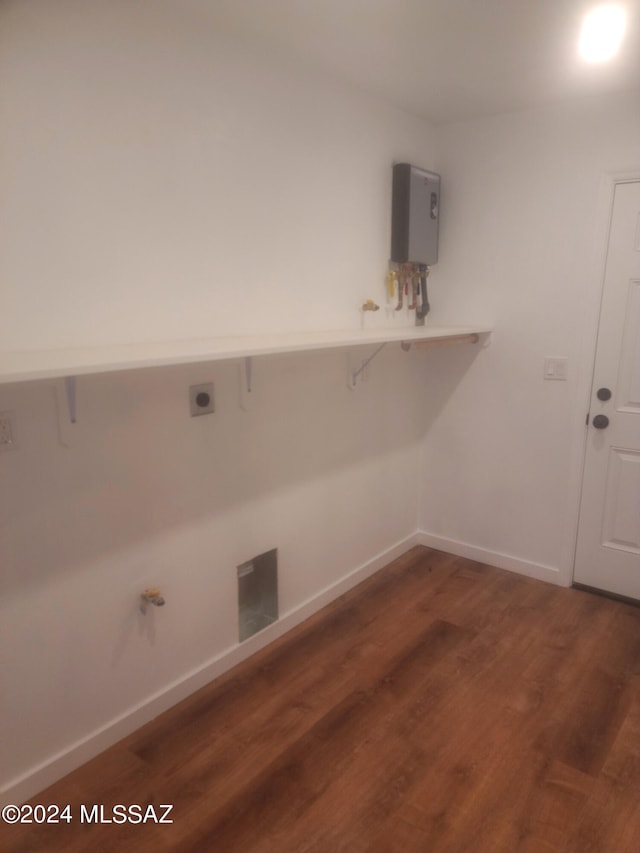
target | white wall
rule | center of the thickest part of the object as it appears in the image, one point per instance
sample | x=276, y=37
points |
x=522, y=247
x=145, y=496
x=160, y=181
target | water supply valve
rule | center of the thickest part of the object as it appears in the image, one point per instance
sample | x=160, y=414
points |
x=152, y=596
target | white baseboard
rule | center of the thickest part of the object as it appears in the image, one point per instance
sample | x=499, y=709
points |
x=492, y=558
x=18, y=790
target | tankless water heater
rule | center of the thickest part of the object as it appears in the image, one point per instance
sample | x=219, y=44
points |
x=414, y=215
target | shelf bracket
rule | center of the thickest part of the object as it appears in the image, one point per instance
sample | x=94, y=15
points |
x=248, y=373
x=70, y=389
x=353, y=379
x=245, y=382
x=66, y=410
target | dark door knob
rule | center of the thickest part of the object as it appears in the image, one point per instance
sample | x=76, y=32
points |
x=601, y=422
x=603, y=394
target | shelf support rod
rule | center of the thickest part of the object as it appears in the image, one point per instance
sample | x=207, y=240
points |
x=70, y=388
x=356, y=373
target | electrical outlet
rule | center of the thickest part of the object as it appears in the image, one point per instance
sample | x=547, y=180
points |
x=201, y=399
x=8, y=439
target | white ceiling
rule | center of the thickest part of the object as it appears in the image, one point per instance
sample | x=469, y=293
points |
x=445, y=60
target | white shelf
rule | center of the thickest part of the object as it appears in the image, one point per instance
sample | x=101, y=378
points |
x=46, y=364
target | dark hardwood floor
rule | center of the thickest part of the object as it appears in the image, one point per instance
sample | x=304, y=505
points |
x=442, y=705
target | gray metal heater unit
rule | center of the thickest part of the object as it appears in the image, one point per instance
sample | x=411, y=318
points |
x=415, y=215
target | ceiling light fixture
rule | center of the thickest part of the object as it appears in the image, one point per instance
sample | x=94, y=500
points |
x=602, y=32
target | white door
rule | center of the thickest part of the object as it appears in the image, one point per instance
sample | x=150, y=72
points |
x=608, y=550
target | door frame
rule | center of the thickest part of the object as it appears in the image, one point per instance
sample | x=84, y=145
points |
x=608, y=183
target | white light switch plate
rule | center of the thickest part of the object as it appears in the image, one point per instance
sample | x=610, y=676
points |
x=556, y=368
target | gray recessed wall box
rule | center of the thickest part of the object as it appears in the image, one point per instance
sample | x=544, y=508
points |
x=415, y=215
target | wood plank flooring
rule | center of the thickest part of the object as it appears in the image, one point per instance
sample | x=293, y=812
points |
x=442, y=705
